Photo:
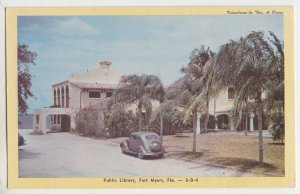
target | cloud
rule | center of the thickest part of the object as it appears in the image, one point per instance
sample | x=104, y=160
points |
x=144, y=44
x=75, y=25
x=54, y=27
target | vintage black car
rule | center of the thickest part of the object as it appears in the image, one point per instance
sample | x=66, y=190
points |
x=143, y=144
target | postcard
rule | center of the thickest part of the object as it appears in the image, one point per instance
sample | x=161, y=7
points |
x=150, y=97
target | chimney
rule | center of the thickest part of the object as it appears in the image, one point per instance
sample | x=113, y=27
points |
x=105, y=65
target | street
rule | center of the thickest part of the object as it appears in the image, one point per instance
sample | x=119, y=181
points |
x=70, y=155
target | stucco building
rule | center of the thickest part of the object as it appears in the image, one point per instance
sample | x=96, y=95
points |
x=221, y=107
x=88, y=89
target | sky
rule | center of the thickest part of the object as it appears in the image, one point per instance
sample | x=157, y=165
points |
x=158, y=45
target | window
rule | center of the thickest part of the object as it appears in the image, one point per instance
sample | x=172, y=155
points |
x=54, y=95
x=62, y=97
x=58, y=119
x=67, y=97
x=149, y=137
x=58, y=97
x=54, y=119
x=230, y=93
x=108, y=94
x=94, y=95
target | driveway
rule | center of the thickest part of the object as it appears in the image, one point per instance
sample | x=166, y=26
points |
x=70, y=155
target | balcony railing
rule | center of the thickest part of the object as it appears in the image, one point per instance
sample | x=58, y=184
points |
x=55, y=106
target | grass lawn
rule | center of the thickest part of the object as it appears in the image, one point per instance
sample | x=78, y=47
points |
x=230, y=149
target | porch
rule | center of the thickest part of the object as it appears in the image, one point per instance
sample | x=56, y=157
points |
x=62, y=119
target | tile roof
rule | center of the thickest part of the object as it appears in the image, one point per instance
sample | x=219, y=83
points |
x=66, y=81
x=95, y=85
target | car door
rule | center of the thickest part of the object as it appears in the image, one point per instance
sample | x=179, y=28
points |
x=133, y=143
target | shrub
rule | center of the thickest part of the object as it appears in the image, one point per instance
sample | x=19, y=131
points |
x=90, y=122
x=121, y=124
x=108, y=123
x=21, y=140
x=173, y=121
x=277, y=126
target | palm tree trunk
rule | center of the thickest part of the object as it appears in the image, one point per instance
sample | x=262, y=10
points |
x=260, y=126
x=207, y=109
x=194, y=131
x=140, y=118
x=247, y=113
x=140, y=122
x=161, y=128
x=206, y=114
x=246, y=125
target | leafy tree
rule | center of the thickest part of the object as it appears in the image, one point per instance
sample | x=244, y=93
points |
x=25, y=57
x=138, y=90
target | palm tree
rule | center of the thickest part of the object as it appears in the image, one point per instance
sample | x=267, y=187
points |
x=192, y=86
x=139, y=90
x=209, y=90
x=164, y=112
x=170, y=115
x=275, y=92
x=245, y=64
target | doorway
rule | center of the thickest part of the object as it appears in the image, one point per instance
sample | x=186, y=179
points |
x=65, y=123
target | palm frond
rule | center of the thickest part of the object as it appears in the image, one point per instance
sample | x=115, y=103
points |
x=198, y=104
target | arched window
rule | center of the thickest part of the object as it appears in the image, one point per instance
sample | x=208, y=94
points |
x=58, y=97
x=54, y=97
x=62, y=97
x=230, y=93
x=67, y=97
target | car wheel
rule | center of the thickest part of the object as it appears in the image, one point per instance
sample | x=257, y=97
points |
x=140, y=153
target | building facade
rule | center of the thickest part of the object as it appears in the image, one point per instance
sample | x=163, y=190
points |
x=220, y=112
x=89, y=89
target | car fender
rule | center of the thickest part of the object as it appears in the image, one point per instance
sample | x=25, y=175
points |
x=125, y=144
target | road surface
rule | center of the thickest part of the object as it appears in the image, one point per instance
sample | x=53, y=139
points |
x=69, y=155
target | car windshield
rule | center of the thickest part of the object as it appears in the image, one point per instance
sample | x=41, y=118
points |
x=149, y=137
